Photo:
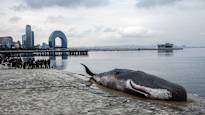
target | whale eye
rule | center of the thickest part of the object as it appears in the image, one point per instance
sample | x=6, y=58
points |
x=117, y=72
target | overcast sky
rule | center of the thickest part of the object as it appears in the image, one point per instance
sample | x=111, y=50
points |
x=107, y=22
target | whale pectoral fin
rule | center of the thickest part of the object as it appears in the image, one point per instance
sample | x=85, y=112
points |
x=89, y=82
x=138, y=89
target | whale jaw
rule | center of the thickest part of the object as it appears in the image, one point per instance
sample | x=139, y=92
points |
x=162, y=94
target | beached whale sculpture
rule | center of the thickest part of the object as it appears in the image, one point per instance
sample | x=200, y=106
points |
x=140, y=84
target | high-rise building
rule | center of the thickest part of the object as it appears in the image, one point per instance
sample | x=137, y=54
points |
x=6, y=42
x=32, y=43
x=24, y=41
x=28, y=38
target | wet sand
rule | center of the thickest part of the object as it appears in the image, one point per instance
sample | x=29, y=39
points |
x=53, y=92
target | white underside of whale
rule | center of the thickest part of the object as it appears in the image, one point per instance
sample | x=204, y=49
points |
x=153, y=93
x=146, y=91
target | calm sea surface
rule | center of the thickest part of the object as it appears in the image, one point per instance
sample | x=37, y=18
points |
x=185, y=67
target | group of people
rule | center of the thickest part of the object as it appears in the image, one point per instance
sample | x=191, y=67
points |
x=29, y=63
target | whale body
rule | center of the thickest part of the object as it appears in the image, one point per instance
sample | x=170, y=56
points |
x=139, y=83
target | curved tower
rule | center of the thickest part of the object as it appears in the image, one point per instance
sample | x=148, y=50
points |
x=56, y=34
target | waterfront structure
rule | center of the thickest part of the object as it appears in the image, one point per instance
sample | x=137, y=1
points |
x=28, y=38
x=56, y=34
x=165, y=46
x=45, y=52
x=6, y=42
x=37, y=46
x=44, y=46
x=17, y=44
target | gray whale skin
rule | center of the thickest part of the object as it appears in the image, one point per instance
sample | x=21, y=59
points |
x=139, y=83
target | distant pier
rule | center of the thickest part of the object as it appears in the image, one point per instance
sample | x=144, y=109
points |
x=131, y=49
x=58, y=52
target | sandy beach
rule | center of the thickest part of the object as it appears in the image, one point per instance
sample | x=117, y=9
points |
x=55, y=92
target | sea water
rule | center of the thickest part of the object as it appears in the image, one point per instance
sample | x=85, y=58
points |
x=185, y=67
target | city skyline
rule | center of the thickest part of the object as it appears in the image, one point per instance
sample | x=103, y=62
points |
x=107, y=22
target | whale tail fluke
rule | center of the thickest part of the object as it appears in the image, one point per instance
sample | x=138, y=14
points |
x=88, y=70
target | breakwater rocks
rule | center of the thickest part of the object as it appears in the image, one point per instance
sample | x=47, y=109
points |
x=53, y=92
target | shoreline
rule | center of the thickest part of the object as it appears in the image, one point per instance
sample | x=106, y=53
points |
x=53, y=91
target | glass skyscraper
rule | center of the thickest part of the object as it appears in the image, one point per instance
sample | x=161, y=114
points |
x=32, y=40
x=28, y=38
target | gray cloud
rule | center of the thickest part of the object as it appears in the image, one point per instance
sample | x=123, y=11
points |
x=55, y=19
x=1, y=13
x=64, y=3
x=113, y=32
x=154, y=3
x=20, y=7
x=14, y=19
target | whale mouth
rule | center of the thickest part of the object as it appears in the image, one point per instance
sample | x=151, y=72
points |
x=139, y=89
